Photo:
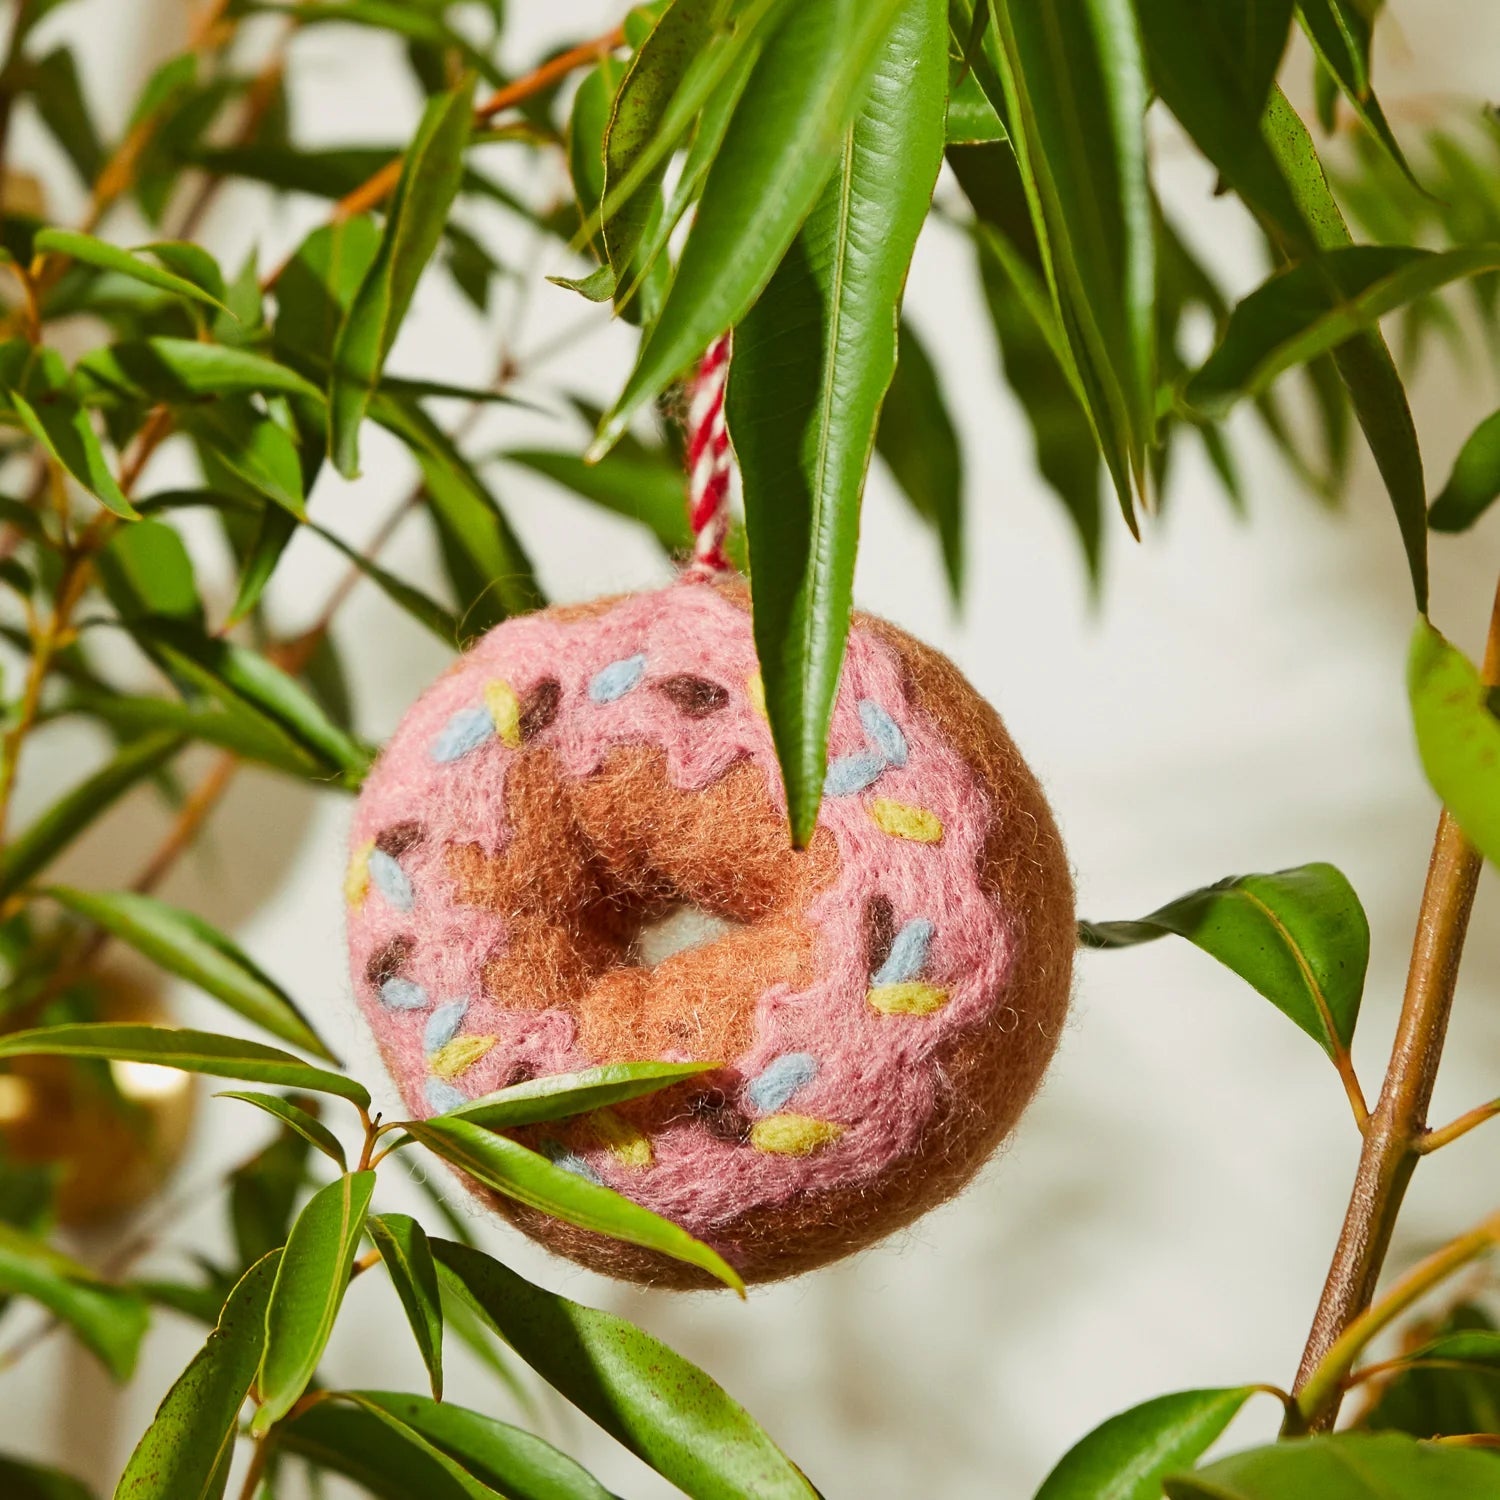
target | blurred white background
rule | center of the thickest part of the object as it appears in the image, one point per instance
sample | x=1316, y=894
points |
x=1164, y=1216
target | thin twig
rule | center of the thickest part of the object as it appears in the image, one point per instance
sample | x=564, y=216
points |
x=1435, y=1139
x=1398, y=1123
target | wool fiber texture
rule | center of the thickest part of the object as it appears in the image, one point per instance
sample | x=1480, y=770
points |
x=884, y=1003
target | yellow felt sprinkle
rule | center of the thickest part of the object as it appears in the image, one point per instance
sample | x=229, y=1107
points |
x=903, y=821
x=459, y=1055
x=755, y=688
x=629, y=1146
x=912, y=998
x=793, y=1135
x=505, y=709
x=357, y=877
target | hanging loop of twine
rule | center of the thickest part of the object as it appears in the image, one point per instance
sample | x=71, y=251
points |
x=708, y=464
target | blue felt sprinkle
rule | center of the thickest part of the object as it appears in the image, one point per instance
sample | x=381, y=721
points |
x=390, y=880
x=442, y=1096
x=908, y=953
x=570, y=1161
x=467, y=730
x=617, y=679
x=885, y=734
x=403, y=994
x=773, y=1087
x=852, y=773
x=443, y=1024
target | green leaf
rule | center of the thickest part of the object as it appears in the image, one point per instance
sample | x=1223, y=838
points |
x=429, y=182
x=273, y=534
x=188, y=1051
x=96, y=252
x=486, y=562
x=529, y=1178
x=641, y=105
x=592, y=106
x=109, y=1320
x=421, y=607
x=30, y=852
x=559, y=1095
x=1450, y=1385
x=1347, y=1466
x=919, y=443
x=1076, y=96
x=972, y=119
x=318, y=284
x=238, y=676
x=1127, y=1457
x=1364, y=363
x=510, y=1462
x=403, y=1247
x=59, y=98
x=811, y=363
x=1299, y=937
x=1474, y=482
x=309, y=1288
x=146, y=570
x=662, y=1408
x=254, y=448
x=187, y=1449
x=1313, y=308
x=63, y=428
x=186, y=945
x=1458, y=735
x=631, y=480
x=1340, y=33
x=264, y=1190
x=381, y=1455
x=23, y=1481
x=786, y=138
x=179, y=370
x=307, y=1125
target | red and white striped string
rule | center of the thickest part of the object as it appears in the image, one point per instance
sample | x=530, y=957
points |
x=708, y=464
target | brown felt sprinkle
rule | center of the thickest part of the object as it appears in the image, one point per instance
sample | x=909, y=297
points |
x=398, y=838
x=719, y=1117
x=388, y=961
x=540, y=708
x=880, y=930
x=697, y=697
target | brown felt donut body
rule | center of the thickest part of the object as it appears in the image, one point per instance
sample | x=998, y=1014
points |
x=885, y=1002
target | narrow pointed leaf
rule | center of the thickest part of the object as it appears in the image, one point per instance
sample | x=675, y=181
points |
x=309, y=1288
x=403, y=1247
x=1474, y=483
x=96, y=252
x=184, y=944
x=1346, y=1466
x=308, y=1126
x=1300, y=937
x=256, y=449
x=703, y=1441
x=186, y=1451
x=63, y=428
x=383, y=1457
x=1127, y=1457
x=273, y=535
x=23, y=1481
x=509, y=1461
x=421, y=607
x=1310, y=309
x=430, y=176
x=785, y=139
x=1364, y=363
x=31, y=852
x=919, y=443
x=1457, y=719
x=108, y=1320
x=190, y=1051
x=529, y=1178
x=810, y=366
x=559, y=1095
x=168, y=369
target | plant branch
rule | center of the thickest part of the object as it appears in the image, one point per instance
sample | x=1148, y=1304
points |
x=1435, y=1139
x=1398, y=1124
x=1328, y=1378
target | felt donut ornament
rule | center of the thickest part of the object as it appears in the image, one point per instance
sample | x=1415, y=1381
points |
x=881, y=1005
x=883, y=1002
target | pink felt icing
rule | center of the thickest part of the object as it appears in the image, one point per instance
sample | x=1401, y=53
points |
x=874, y=1072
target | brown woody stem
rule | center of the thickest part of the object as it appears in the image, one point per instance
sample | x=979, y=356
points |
x=1397, y=1128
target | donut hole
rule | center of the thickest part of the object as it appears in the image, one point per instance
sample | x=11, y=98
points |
x=681, y=929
